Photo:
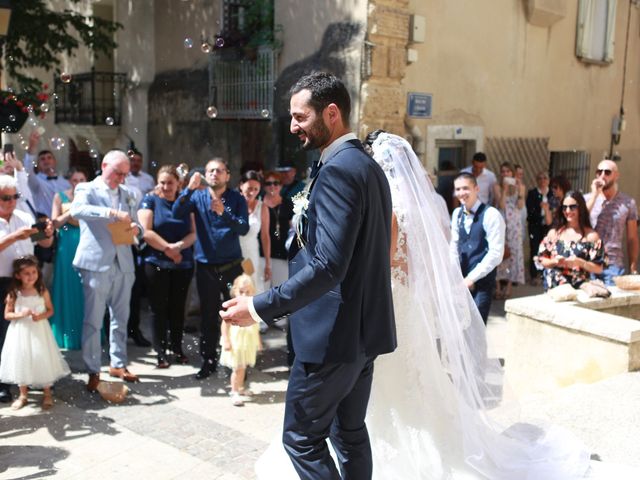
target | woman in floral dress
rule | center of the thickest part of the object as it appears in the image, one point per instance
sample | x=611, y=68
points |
x=573, y=251
x=509, y=196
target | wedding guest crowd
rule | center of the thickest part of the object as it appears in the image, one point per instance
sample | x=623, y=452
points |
x=125, y=235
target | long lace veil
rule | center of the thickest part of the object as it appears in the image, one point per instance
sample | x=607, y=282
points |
x=445, y=309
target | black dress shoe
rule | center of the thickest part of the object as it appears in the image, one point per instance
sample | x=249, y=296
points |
x=138, y=339
x=181, y=359
x=208, y=367
x=5, y=395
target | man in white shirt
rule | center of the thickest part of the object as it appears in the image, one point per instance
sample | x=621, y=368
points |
x=477, y=240
x=47, y=181
x=485, y=178
x=138, y=178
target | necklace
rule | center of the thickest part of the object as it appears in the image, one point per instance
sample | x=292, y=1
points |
x=276, y=209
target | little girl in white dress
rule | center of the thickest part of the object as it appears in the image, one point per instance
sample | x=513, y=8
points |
x=30, y=356
x=240, y=344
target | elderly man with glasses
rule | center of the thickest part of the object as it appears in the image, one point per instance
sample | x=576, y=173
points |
x=611, y=213
x=17, y=230
x=106, y=210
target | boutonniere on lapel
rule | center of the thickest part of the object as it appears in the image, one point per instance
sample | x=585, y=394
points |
x=300, y=205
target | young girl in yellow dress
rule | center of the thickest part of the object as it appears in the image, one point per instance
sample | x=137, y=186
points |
x=240, y=344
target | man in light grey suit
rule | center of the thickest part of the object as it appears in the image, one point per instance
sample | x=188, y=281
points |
x=106, y=269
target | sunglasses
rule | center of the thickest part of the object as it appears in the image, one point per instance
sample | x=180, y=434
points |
x=271, y=184
x=570, y=207
x=8, y=198
x=600, y=171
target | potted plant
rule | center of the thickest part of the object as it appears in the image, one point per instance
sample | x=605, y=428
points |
x=36, y=37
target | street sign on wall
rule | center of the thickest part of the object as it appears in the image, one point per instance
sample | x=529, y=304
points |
x=419, y=105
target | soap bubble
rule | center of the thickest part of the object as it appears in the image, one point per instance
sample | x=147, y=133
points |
x=12, y=118
x=66, y=77
x=264, y=113
x=109, y=121
x=57, y=143
x=188, y=42
x=219, y=42
x=205, y=47
x=212, y=112
x=44, y=107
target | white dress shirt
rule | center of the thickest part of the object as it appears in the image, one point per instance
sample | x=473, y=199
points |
x=43, y=187
x=19, y=248
x=142, y=181
x=494, y=228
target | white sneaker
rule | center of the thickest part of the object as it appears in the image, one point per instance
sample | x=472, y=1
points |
x=236, y=399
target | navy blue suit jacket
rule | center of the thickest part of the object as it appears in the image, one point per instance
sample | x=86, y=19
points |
x=339, y=291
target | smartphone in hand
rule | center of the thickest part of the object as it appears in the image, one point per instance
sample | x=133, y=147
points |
x=40, y=234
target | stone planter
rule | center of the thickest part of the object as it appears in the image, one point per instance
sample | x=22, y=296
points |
x=552, y=345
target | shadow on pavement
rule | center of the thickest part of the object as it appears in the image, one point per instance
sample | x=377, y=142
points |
x=24, y=456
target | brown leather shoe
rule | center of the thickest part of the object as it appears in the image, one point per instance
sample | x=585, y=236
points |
x=94, y=381
x=123, y=373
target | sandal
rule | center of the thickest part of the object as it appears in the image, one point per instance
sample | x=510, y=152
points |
x=47, y=402
x=19, y=403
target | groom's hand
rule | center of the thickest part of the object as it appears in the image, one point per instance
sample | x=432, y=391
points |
x=236, y=312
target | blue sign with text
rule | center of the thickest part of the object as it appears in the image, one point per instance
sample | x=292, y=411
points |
x=419, y=105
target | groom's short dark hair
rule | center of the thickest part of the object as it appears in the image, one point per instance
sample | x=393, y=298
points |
x=325, y=88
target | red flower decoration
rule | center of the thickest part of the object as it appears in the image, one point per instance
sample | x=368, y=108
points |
x=19, y=103
x=45, y=86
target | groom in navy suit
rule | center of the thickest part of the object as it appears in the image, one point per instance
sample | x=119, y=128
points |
x=338, y=295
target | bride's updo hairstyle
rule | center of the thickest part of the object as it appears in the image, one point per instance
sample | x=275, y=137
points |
x=369, y=139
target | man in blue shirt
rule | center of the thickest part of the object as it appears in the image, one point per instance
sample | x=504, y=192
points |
x=221, y=217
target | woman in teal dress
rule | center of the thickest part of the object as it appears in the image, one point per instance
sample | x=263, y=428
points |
x=66, y=291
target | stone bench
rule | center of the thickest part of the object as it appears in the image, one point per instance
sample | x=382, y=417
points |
x=551, y=345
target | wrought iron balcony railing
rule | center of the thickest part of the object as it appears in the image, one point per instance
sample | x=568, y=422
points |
x=93, y=98
x=243, y=88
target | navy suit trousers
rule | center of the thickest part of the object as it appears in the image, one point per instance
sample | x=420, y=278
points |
x=329, y=401
x=482, y=295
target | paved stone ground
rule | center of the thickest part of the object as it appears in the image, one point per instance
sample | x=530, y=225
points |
x=173, y=426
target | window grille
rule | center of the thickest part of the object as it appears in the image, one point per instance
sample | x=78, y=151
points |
x=93, y=98
x=574, y=165
x=243, y=89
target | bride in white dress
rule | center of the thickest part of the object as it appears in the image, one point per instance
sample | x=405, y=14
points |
x=428, y=416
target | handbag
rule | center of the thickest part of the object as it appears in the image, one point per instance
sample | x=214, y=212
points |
x=247, y=266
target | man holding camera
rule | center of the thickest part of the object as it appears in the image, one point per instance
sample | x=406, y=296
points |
x=17, y=234
x=221, y=217
x=611, y=213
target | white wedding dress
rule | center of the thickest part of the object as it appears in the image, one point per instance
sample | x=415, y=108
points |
x=428, y=415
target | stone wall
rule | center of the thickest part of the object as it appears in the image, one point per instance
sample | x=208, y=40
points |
x=383, y=95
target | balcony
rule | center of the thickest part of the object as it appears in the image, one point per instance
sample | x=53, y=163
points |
x=93, y=98
x=242, y=88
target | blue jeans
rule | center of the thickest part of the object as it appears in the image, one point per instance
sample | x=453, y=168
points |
x=608, y=273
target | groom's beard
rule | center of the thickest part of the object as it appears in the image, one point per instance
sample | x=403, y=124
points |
x=317, y=136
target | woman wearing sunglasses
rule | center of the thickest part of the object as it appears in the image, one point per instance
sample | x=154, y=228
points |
x=280, y=213
x=572, y=251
